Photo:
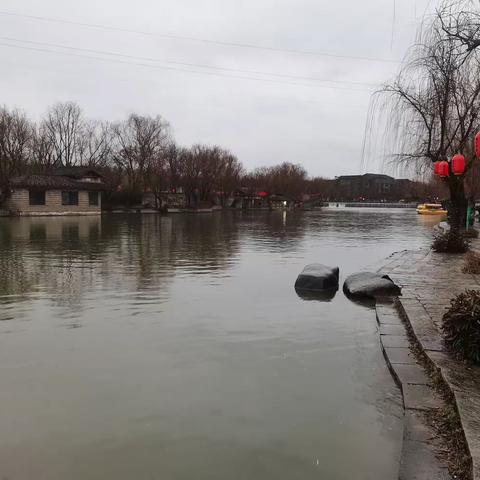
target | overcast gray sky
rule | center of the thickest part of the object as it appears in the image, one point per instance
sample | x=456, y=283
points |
x=217, y=98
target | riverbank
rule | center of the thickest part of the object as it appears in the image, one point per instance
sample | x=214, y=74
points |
x=429, y=281
x=217, y=208
x=147, y=211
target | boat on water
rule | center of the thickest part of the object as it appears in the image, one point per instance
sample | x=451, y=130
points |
x=431, y=209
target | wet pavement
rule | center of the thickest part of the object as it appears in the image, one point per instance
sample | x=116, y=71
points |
x=429, y=281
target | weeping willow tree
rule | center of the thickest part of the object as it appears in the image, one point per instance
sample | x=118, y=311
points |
x=431, y=110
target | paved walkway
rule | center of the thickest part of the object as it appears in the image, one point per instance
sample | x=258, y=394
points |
x=429, y=280
x=419, y=459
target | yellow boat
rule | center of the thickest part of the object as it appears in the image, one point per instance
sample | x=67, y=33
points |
x=431, y=209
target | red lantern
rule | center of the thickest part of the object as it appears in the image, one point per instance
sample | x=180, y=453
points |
x=458, y=164
x=477, y=144
x=443, y=168
x=436, y=169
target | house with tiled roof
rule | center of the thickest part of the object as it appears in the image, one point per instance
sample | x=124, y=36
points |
x=63, y=191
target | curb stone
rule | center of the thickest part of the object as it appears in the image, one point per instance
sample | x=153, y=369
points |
x=418, y=458
x=448, y=369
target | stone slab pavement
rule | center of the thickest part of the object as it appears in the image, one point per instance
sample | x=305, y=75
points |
x=429, y=281
x=419, y=458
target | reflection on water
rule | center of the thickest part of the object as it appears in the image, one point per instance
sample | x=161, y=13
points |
x=176, y=347
x=323, y=296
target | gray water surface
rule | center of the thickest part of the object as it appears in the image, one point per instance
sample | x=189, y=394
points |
x=154, y=347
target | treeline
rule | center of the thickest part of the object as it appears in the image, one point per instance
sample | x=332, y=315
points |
x=135, y=155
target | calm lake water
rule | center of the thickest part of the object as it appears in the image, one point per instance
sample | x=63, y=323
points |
x=155, y=347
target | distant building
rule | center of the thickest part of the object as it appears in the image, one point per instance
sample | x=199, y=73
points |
x=247, y=199
x=173, y=201
x=370, y=186
x=281, y=202
x=252, y=200
x=63, y=191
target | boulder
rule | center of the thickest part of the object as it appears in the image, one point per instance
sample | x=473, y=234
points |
x=317, y=278
x=368, y=284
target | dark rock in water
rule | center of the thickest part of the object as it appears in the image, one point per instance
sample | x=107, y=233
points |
x=368, y=284
x=317, y=278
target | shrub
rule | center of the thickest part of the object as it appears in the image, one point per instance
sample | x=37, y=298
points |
x=450, y=242
x=472, y=263
x=461, y=326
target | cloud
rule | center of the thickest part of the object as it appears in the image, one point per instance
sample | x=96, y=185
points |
x=264, y=119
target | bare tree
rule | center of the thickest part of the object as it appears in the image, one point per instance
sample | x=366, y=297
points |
x=433, y=106
x=43, y=154
x=173, y=160
x=140, y=141
x=138, y=153
x=231, y=173
x=15, y=147
x=191, y=168
x=62, y=128
x=157, y=178
x=210, y=160
x=257, y=179
x=460, y=21
x=320, y=186
x=287, y=179
x=95, y=143
x=204, y=171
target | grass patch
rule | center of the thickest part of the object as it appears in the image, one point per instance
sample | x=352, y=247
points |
x=454, y=450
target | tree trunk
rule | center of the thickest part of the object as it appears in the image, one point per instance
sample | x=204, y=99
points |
x=457, y=212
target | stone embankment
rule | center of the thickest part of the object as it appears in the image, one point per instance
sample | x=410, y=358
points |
x=413, y=347
x=380, y=205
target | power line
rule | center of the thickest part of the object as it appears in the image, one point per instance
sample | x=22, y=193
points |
x=43, y=50
x=300, y=100
x=185, y=64
x=195, y=39
x=394, y=17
